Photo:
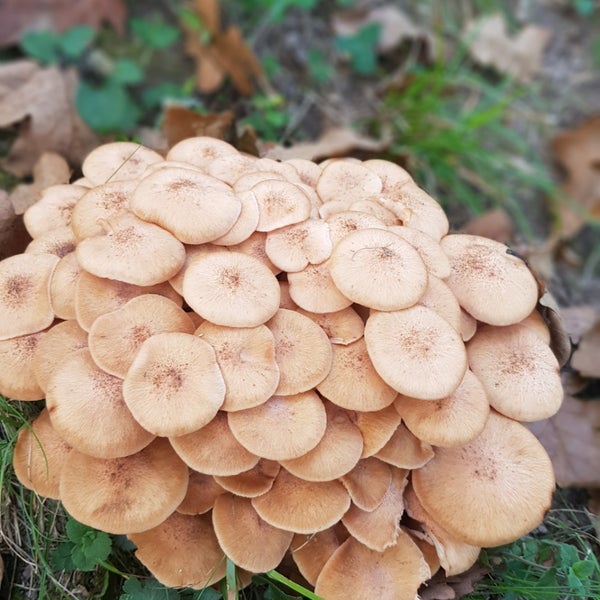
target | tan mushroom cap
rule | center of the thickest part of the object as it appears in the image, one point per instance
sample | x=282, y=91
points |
x=394, y=574
x=248, y=180
x=407, y=346
x=336, y=454
x=313, y=289
x=174, y=385
x=118, y=161
x=124, y=495
x=202, y=491
x=256, y=481
x=196, y=208
x=39, y=455
x=200, y=151
x=100, y=205
x=54, y=347
x=302, y=352
x=392, y=176
x=345, y=222
x=536, y=323
x=280, y=203
x=404, y=450
x=377, y=427
x=59, y=241
x=519, y=372
x=429, y=250
x=490, y=284
x=341, y=327
x=294, y=247
x=248, y=541
x=302, y=506
x=368, y=483
x=53, y=209
x=213, y=449
x=182, y=565
x=347, y=180
x=191, y=253
x=353, y=383
x=254, y=246
x=451, y=421
x=311, y=552
x=95, y=296
x=468, y=325
x=87, y=409
x=132, y=251
x=378, y=269
x=25, y=294
x=439, y=297
x=115, y=337
x=246, y=223
x=308, y=171
x=230, y=168
x=282, y=428
x=372, y=207
x=17, y=376
x=63, y=285
x=246, y=357
x=428, y=549
x=379, y=529
x=492, y=490
x=231, y=289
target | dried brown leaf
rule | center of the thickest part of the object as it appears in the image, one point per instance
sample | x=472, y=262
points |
x=495, y=224
x=19, y=16
x=572, y=440
x=441, y=587
x=42, y=102
x=13, y=235
x=519, y=56
x=560, y=342
x=180, y=123
x=578, y=320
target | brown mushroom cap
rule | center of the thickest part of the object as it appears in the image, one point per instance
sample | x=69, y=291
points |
x=491, y=490
x=405, y=451
x=311, y=552
x=213, y=449
x=249, y=541
x=132, y=251
x=302, y=506
x=345, y=222
x=407, y=346
x=378, y=269
x=39, y=455
x=87, y=409
x=124, y=495
x=490, y=284
x=254, y=482
x=59, y=241
x=63, y=285
x=115, y=337
x=174, y=385
x=183, y=565
x=282, y=428
x=17, y=375
x=202, y=491
x=341, y=327
x=347, y=180
x=376, y=427
x=200, y=151
x=25, y=294
x=231, y=289
x=368, y=483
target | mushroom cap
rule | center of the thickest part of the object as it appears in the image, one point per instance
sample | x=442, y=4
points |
x=280, y=203
x=345, y=222
x=116, y=337
x=25, y=294
x=302, y=352
x=347, y=180
x=17, y=375
x=59, y=241
x=39, y=455
x=491, y=490
x=378, y=269
x=341, y=327
x=407, y=346
x=200, y=151
x=124, y=495
x=254, y=246
x=394, y=574
x=518, y=371
x=392, y=176
x=368, y=483
x=308, y=171
x=87, y=409
x=353, y=383
x=490, y=284
x=282, y=428
x=182, y=565
x=63, y=286
x=405, y=451
x=202, y=491
x=213, y=450
x=132, y=251
x=246, y=223
x=247, y=540
x=256, y=481
x=196, y=208
x=451, y=421
x=302, y=506
x=231, y=289
x=311, y=552
x=246, y=357
x=174, y=385
x=439, y=297
x=376, y=427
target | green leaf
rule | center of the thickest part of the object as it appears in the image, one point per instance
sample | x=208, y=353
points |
x=318, y=69
x=361, y=48
x=156, y=95
x=106, y=108
x=279, y=8
x=207, y=594
x=90, y=546
x=134, y=589
x=126, y=72
x=155, y=33
x=61, y=558
x=583, y=569
x=76, y=40
x=42, y=46
x=274, y=593
x=568, y=554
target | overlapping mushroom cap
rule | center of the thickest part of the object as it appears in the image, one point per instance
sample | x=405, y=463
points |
x=243, y=358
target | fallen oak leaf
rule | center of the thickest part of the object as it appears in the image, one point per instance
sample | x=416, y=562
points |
x=180, y=123
x=42, y=102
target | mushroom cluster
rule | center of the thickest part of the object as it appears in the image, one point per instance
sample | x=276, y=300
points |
x=246, y=358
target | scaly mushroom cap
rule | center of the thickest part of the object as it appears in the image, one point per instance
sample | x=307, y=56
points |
x=492, y=490
x=174, y=385
x=124, y=495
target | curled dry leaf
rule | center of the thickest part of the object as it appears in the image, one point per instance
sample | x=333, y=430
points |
x=495, y=224
x=42, y=101
x=180, y=123
x=13, y=235
x=518, y=56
